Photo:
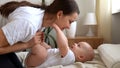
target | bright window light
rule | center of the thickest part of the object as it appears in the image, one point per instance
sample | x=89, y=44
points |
x=115, y=6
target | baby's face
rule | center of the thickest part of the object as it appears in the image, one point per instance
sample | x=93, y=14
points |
x=78, y=47
x=79, y=50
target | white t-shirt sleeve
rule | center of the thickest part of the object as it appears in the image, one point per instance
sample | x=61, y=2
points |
x=18, y=30
x=69, y=58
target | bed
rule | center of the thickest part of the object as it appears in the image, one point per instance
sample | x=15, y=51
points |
x=106, y=56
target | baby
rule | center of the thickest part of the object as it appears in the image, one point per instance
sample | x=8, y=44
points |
x=41, y=57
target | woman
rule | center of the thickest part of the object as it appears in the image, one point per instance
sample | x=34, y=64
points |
x=25, y=19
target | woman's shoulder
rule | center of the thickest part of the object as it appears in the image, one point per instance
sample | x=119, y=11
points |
x=26, y=7
x=29, y=9
x=25, y=11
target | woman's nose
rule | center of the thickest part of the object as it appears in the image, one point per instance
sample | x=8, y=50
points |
x=66, y=27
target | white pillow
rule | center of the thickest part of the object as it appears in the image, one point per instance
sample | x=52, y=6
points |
x=110, y=54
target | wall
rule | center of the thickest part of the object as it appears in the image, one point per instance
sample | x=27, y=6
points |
x=33, y=1
x=116, y=28
x=85, y=6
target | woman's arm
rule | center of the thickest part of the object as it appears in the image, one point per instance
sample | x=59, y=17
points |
x=18, y=46
x=3, y=40
x=14, y=48
x=6, y=48
x=62, y=41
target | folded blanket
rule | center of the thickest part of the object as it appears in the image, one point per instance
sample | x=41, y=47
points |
x=110, y=55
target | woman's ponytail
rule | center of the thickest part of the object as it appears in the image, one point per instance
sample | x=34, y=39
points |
x=9, y=7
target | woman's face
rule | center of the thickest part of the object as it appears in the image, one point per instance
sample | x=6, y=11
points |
x=64, y=21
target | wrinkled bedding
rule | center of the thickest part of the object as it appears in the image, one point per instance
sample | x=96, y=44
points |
x=95, y=63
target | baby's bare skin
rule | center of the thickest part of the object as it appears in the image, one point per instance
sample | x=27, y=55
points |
x=40, y=54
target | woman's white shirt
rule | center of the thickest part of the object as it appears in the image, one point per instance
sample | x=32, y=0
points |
x=22, y=24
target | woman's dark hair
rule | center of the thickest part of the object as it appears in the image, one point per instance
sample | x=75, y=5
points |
x=9, y=7
x=67, y=6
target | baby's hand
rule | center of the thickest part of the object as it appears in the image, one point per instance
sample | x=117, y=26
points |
x=37, y=39
x=55, y=26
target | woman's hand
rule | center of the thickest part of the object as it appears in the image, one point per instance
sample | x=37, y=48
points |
x=46, y=45
x=37, y=39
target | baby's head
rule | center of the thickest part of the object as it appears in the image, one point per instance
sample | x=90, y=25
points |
x=82, y=51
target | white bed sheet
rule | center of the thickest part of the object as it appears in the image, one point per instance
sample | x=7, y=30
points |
x=95, y=63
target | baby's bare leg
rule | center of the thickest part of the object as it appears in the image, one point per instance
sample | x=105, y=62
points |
x=37, y=56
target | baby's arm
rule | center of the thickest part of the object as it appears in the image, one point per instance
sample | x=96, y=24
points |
x=62, y=41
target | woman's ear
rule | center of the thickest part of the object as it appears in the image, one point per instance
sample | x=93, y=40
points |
x=59, y=14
